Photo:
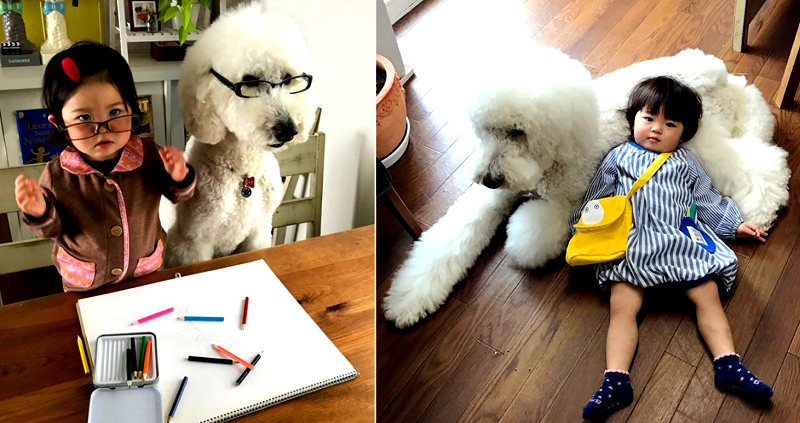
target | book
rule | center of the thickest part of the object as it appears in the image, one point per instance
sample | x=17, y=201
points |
x=34, y=130
x=297, y=358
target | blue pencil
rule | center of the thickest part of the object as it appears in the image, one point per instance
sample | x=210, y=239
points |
x=202, y=318
x=177, y=398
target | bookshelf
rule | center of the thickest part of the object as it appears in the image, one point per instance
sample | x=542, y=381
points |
x=117, y=26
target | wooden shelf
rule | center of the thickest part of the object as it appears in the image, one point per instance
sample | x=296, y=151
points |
x=117, y=25
x=166, y=34
x=144, y=69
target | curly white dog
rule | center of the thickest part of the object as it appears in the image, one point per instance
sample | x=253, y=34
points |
x=543, y=134
x=243, y=98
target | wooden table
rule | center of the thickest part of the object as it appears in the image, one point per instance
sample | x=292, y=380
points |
x=41, y=375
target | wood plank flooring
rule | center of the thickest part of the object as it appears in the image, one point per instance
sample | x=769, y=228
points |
x=513, y=345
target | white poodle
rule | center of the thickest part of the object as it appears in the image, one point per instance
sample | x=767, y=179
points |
x=543, y=134
x=234, y=138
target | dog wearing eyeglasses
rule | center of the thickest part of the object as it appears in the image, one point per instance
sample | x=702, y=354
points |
x=544, y=130
x=245, y=94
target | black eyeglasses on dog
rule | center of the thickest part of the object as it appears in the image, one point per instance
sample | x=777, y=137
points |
x=259, y=88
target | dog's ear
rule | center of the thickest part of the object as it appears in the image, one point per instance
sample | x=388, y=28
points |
x=198, y=108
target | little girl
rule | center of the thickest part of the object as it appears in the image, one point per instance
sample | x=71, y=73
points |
x=662, y=113
x=99, y=200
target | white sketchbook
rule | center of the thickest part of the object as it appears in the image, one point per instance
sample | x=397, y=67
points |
x=296, y=356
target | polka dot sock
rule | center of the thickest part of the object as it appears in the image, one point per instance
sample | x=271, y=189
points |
x=730, y=375
x=615, y=393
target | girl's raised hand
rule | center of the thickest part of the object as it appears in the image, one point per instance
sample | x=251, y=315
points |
x=174, y=163
x=749, y=230
x=29, y=197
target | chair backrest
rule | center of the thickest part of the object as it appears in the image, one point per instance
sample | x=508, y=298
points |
x=20, y=255
x=303, y=165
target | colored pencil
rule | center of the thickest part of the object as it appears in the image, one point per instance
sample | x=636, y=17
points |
x=83, y=356
x=153, y=316
x=135, y=362
x=247, y=371
x=202, y=318
x=177, y=398
x=231, y=355
x=129, y=365
x=244, y=315
x=146, y=367
x=141, y=356
x=211, y=360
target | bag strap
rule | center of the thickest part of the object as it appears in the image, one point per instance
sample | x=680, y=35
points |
x=649, y=172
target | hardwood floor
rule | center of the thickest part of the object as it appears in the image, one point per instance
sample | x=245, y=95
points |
x=515, y=345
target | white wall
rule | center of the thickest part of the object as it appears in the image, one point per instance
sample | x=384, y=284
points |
x=398, y=8
x=340, y=35
x=386, y=42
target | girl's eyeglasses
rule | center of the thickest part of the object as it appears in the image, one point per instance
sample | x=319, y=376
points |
x=252, y=89
x=84, y=130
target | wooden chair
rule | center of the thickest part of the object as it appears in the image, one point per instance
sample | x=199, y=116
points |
x=20, y=255
x=385, y=191
x=791, y=75
x=302, y=165
x=744, y=12
x=303, y=161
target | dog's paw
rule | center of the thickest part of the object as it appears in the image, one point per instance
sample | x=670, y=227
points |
x=402, y=309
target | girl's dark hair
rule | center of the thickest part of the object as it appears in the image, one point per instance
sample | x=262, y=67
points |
x=96, y=63
x=680, y=103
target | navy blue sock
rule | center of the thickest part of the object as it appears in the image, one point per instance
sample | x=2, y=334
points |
x=615, y=393
x=730, y=375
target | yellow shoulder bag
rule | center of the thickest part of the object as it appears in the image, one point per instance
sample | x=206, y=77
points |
x=602, y=232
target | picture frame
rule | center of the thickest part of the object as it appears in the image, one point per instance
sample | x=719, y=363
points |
x=135, y=7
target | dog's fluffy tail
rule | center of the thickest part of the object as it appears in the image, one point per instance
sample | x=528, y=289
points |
x=444, y=253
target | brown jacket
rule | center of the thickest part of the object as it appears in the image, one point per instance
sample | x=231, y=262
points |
x=106, y=228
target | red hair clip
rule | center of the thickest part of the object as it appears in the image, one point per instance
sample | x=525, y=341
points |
x=70, y=69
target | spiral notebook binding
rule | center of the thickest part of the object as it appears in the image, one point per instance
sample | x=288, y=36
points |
x=283, y=397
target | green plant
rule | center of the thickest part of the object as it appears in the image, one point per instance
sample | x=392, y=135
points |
x=184, y=8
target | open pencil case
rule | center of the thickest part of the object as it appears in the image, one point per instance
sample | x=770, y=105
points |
x=113, y=400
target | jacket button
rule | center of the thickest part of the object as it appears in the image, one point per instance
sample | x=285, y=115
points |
x=116, y=271
x=116, y=230
x=107, y=187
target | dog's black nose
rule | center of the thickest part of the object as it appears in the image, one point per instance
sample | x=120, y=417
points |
x=284, y=131
x=492, y=182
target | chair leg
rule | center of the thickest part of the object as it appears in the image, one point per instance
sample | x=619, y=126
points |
x=278, y=236
x=740, y=26
x=791, y=76
x=401, y=212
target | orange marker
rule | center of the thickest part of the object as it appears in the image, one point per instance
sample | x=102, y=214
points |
x=146, y=360
x=231, y=355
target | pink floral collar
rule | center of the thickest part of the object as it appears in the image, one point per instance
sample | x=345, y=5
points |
x=132, y=156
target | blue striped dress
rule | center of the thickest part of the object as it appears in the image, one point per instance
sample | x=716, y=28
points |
x=658, y=252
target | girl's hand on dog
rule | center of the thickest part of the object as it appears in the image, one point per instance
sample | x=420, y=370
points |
x=29, y=197
x=749, y=230
x=174, y=163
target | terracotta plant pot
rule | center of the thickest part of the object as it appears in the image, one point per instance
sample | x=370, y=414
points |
x=390, y=124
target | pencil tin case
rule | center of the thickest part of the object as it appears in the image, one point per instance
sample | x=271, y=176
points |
x=113, y=400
